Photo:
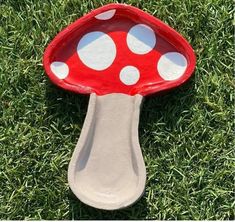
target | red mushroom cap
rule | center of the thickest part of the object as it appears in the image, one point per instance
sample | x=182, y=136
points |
x=118, y=49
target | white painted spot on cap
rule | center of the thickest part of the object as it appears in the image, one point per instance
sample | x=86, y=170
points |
x=141, y=39
x=106, y=15
x=172, y=65
x=97, y=50
x=60, y=69
x=129, y=75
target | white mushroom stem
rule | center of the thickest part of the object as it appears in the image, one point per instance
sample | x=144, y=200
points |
x=107, y=170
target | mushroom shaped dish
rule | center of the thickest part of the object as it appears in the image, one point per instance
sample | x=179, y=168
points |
x=118, y=54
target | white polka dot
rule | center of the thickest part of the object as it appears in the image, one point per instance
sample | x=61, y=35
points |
x=60, y=69
x=97, y=50
x=106, y=15
x=172, y=65
x=129, y=75
x=141, y=39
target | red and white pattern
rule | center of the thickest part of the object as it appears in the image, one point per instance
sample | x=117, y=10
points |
x=111, y=51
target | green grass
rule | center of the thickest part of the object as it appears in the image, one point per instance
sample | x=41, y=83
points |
x=186, y=135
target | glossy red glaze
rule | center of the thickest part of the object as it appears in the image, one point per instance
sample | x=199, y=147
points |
x=82, y=79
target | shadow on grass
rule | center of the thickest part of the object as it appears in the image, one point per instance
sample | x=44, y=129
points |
x=70, y=108
x=166, y=108
x=65, y=104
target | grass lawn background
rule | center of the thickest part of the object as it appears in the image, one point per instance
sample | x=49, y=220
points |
x=186, y=135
